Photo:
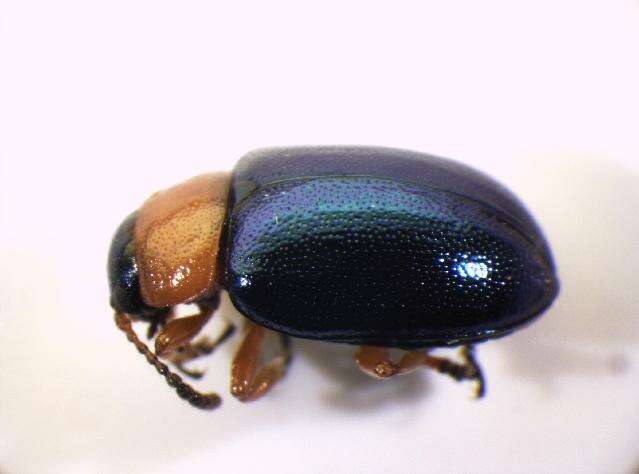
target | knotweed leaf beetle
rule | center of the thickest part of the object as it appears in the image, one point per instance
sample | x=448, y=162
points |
x=376, y=247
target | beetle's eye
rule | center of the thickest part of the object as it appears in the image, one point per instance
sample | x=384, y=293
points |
x=123, y=273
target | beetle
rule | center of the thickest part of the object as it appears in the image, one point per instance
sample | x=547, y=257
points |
x=380, y=248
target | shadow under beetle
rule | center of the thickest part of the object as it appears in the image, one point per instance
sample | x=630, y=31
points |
x=377, y=247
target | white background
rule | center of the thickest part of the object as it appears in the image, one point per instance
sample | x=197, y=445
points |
x=103, y=103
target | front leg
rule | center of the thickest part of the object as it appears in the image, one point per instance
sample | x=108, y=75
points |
x=194, y=350
x=249, y=380
x=180, y=331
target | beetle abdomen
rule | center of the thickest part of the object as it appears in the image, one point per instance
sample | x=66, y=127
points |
x=382, y=261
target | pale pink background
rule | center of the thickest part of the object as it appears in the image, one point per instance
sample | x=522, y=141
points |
x=103, y=103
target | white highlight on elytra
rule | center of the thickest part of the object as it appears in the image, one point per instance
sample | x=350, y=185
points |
x=476, y=270
x=477, y=267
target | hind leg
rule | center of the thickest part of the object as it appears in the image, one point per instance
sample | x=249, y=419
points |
x=377, y=361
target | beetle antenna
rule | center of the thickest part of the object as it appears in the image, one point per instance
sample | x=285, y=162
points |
x=204, y=401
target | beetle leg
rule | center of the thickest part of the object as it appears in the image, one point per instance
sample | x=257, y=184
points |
x=468, y=370
x=193, y=350
x=180, y=331
x=377, y=361
x=249, y=381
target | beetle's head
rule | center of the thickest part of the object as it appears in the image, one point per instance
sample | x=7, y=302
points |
x=123, y=269
x=166, y=254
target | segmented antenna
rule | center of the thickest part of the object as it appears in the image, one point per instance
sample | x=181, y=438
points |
x=204, y=401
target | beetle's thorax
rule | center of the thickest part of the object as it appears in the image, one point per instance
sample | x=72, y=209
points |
x=177, y=240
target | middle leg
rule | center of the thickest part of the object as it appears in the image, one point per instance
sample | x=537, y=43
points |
x=249, y=379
